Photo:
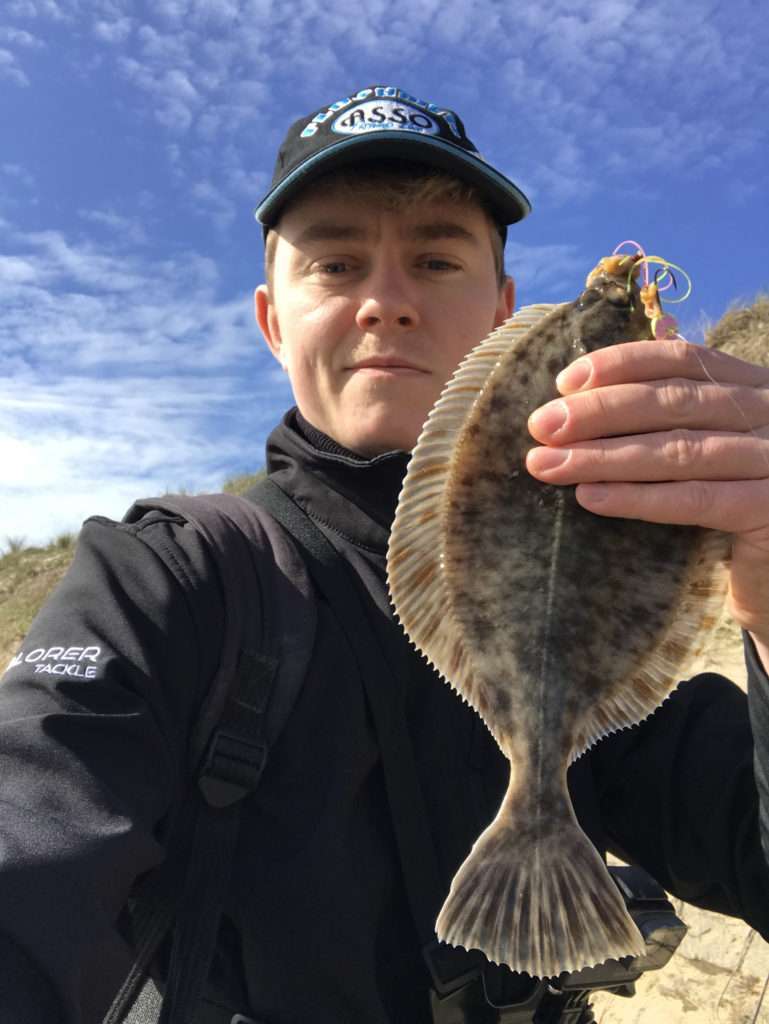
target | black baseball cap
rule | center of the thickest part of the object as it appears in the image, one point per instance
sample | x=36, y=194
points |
x=383, y=122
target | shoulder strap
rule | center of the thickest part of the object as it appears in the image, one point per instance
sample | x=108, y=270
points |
x=269, y=629
x=344, y=593
x=264, y=584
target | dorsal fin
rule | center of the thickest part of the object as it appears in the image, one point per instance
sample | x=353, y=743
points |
x=415, y=573
x=653, y=678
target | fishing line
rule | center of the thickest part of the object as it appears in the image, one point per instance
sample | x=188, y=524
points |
x=719, y=384
x=664, y=325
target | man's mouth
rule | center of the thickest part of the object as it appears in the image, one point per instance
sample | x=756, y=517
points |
x=392, y=363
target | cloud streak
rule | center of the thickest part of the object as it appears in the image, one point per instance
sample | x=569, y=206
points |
x=120, y=376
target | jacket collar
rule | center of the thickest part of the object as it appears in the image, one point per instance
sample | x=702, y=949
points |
x=353, y=496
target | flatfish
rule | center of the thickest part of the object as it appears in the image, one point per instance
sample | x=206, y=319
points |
x=558, y=626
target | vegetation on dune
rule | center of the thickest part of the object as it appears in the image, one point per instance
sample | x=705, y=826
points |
x=742, y=331
x=29, y=574
x=244, y=482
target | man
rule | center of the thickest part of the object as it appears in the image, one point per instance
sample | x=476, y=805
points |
x=384, y=267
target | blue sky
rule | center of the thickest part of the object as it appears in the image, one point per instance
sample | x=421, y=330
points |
x=138, y=137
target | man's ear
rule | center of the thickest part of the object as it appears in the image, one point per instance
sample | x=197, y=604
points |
x=506, y=302
x=267, y=318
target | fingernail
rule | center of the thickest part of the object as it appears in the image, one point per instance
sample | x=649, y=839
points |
x=575, y=376
x=550, y=418
x=542, y=460
x=593, y=494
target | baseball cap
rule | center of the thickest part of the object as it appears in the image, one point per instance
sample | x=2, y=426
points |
x=384, y=122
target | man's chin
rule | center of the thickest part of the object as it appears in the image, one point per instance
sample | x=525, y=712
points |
x=369, y=430
x=370, y=450
x=369, y=444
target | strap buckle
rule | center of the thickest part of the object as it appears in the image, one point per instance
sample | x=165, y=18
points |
x=231, y=769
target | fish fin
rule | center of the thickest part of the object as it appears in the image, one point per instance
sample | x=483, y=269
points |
x=539, y=903
x=633, y=698
x=415, y=575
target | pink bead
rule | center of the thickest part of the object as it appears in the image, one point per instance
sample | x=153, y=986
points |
x=665, y=326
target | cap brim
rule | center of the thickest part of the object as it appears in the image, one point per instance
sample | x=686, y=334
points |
x=506, y=199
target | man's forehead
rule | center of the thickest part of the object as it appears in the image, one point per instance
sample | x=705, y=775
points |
x=339, y=221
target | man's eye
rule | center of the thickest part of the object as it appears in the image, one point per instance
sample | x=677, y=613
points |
x=436, y=263
x=334, y=267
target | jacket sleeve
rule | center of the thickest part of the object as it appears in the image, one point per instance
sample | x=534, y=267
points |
x=679, y=795
x=94, y=714
x=758, y=703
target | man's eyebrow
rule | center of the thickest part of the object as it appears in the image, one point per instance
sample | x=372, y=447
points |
x=429, y=231
x=328, y=231
x=435, y=231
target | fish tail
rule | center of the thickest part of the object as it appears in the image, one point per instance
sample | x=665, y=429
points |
x=539, y=900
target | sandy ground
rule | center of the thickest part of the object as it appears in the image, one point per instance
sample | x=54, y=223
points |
x=720, y=972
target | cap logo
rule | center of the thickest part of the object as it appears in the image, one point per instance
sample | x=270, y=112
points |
x=384, y=115
x=386, y=93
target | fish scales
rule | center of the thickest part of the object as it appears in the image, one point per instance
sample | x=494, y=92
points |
x=558, y=626
x=496, y=507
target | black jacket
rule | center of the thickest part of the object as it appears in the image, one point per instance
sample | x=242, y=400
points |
x=94, y=717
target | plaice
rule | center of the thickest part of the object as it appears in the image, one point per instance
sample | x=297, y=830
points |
x=558, y=626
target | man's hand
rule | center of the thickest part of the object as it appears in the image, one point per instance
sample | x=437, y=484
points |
x=669, y=432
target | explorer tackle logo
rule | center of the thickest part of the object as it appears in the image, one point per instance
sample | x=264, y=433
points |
x=60, y=661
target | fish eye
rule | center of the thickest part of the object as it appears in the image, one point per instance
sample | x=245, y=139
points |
x=610, y=291
x=589, y=297
x=619, y=296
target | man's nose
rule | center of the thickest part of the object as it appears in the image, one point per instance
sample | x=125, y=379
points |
x=387, y=301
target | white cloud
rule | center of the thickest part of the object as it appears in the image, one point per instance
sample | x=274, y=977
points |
x=222, y=12
x=37, y=9
x=19, y=37
x=10, y=70
x=121, y=376
x=739, y=192
x=246, y=183
x=124, y=228
x=14, y=270
x=544, y=272
x=18, y=173
x=116, y=31
x=214, y=202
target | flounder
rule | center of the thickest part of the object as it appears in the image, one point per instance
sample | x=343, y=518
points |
x=558, y=626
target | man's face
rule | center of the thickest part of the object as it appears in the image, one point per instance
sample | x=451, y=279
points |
x=372, y=310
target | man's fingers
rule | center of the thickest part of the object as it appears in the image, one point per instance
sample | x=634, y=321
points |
x=667, y=455
x=656, y=360
x=733, y=506
x=638, y=408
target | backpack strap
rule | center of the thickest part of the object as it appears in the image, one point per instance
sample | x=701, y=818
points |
x=268, y=632
x=248, y=702
x=346, y=597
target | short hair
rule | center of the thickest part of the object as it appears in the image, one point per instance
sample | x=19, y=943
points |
x=398, y=185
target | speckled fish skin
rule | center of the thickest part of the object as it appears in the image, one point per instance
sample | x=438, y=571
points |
x=556, y=625
x=567, y=569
